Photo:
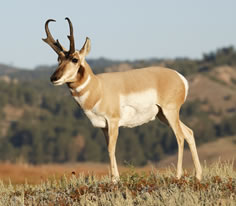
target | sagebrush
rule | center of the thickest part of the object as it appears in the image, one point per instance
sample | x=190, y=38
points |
x=218, y=187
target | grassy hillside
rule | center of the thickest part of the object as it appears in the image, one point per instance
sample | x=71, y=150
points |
x=218, y=187
x=40, y=123
x=216, y=89
x=222, y=149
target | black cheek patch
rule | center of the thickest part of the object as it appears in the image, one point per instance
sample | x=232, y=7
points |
x=81, y=70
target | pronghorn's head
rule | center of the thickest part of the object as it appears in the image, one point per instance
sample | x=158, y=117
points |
x=69, y=62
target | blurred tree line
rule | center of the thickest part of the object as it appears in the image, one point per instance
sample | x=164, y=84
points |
x=52, y=127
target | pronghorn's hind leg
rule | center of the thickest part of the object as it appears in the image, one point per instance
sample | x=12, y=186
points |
x=105, y=132
x=173, y=119
x=161, y=116
x=188, y=134
x=183, y=132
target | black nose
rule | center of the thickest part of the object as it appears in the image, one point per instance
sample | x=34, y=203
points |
x=53, y=78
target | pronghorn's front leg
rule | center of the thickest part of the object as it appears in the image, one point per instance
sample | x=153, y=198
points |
x=111, y=134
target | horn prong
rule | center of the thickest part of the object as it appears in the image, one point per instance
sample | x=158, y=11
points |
x=56, y=46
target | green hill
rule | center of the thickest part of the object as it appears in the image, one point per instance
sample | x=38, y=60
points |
x=40, y=123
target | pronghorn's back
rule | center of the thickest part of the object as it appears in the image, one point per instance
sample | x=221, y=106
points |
x=171, y=88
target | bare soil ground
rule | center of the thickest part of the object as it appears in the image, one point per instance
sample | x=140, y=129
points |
x=34, y=174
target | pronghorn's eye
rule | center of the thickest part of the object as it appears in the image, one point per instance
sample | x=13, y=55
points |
x=74, y=60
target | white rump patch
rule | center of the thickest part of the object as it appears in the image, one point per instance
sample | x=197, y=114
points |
x=185, y=84
x=82, y=86
x=138, y=108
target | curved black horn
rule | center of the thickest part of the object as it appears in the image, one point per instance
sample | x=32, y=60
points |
x=56, y=46
x=71, y=37
x=47, y=29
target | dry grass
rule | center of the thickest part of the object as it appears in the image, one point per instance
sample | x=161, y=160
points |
x=218, y=187
x=89, y=183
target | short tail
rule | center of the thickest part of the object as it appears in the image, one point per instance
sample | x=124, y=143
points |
x=185, y=81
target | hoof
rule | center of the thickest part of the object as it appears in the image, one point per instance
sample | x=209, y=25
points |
x=115, y=179
x=179, y=175
x=199, y=177
x=199, y=174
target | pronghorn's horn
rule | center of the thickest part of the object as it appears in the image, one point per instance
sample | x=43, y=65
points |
x=71, y=37
x=56, y=46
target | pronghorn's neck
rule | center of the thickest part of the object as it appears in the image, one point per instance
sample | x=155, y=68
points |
x=85, y=89
x=84, y=76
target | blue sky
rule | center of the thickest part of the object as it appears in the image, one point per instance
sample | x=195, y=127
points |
x=124, y=29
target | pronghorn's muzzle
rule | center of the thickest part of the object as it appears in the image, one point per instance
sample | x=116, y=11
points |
x=56, y=79
x=53, y=78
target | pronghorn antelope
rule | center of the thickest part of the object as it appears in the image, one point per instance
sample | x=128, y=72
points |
x=128, y=99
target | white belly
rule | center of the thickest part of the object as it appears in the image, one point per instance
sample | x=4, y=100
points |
x=135, y=109
x=138, y=108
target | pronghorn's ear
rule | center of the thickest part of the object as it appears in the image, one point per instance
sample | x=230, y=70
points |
x=86, y=48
